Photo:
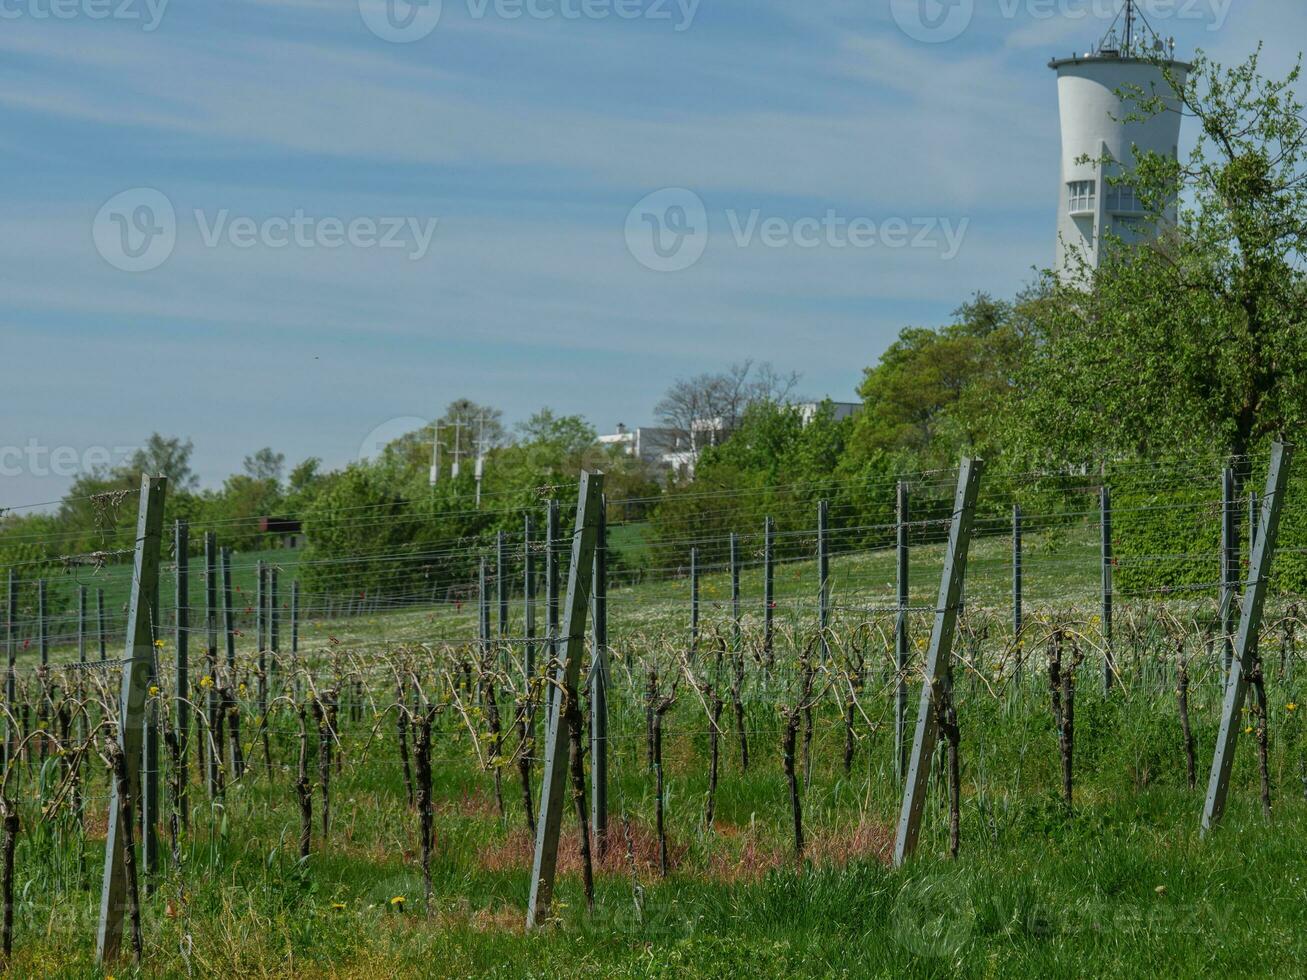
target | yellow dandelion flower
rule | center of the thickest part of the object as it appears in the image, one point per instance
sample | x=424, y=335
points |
x=398, y=901
x=159, y=644
x=154, y=690
x=206, y=682
x=337, y=905
x=1291, y=706
x=1248, y=730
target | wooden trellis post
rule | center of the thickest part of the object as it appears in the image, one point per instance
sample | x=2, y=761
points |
x=1245, y=646
x=137, y=667
x=564, y=679
x=938, y=658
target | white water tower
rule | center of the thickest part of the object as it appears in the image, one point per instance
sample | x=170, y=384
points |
x=1094, y=128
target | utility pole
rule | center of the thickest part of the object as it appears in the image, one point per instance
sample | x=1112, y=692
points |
x=481, y=455
x=435, y=454
x=458, y=449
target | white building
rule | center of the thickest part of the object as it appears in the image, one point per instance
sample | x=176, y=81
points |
x=1095, y=128
x=649, y=443
x=678, y=451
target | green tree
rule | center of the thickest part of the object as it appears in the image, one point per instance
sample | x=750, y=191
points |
x=1194, y=343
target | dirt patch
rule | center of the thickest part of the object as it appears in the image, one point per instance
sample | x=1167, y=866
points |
x=834, y=847
x=518, y=851
x=742, y=856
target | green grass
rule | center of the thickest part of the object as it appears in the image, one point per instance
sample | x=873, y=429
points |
x=1121, y=886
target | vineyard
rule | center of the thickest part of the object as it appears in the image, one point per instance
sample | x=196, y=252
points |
x=994, y=734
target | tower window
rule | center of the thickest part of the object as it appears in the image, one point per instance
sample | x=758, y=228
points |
x=1081, y=197
x=1122, y=199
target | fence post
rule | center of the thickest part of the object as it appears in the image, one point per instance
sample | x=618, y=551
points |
x=138, y=657
x=768, y=587
x=102, y=628
x=1105, y=521
x=11, y=654
x=938, y=659
x=260, y=631
x=902, y=642
x=566, y=674
x=42, y=626
x=261, y=612
x=209, y=745
x=1017, y=611
x=483, y=605
x=81, y=624
x=823, y=572
x=295, y=616
x=229, y=628
x=182, y=666
x=551, y=577
x=274, y=615
x=1250, y=620
x=736, y=632
x=501, y=581
x=1229, y=563
x=599, y=687
x=694, y=601
x=528, y=603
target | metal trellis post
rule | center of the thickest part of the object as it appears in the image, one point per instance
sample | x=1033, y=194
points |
x=1250, y=620
x=823, y=572
x=768, y=586
x=182, y=667
x=902, y=642
x=938, y=659
x=599, y=686
x=565, y=677
x=138, y=658
x=1105, y=522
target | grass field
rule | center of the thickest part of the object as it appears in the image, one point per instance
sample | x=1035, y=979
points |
x=1122, y=885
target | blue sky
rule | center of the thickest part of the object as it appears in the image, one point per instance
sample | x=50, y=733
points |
x=527, y=141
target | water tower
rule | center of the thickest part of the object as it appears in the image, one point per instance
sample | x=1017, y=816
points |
x=1094, y=128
